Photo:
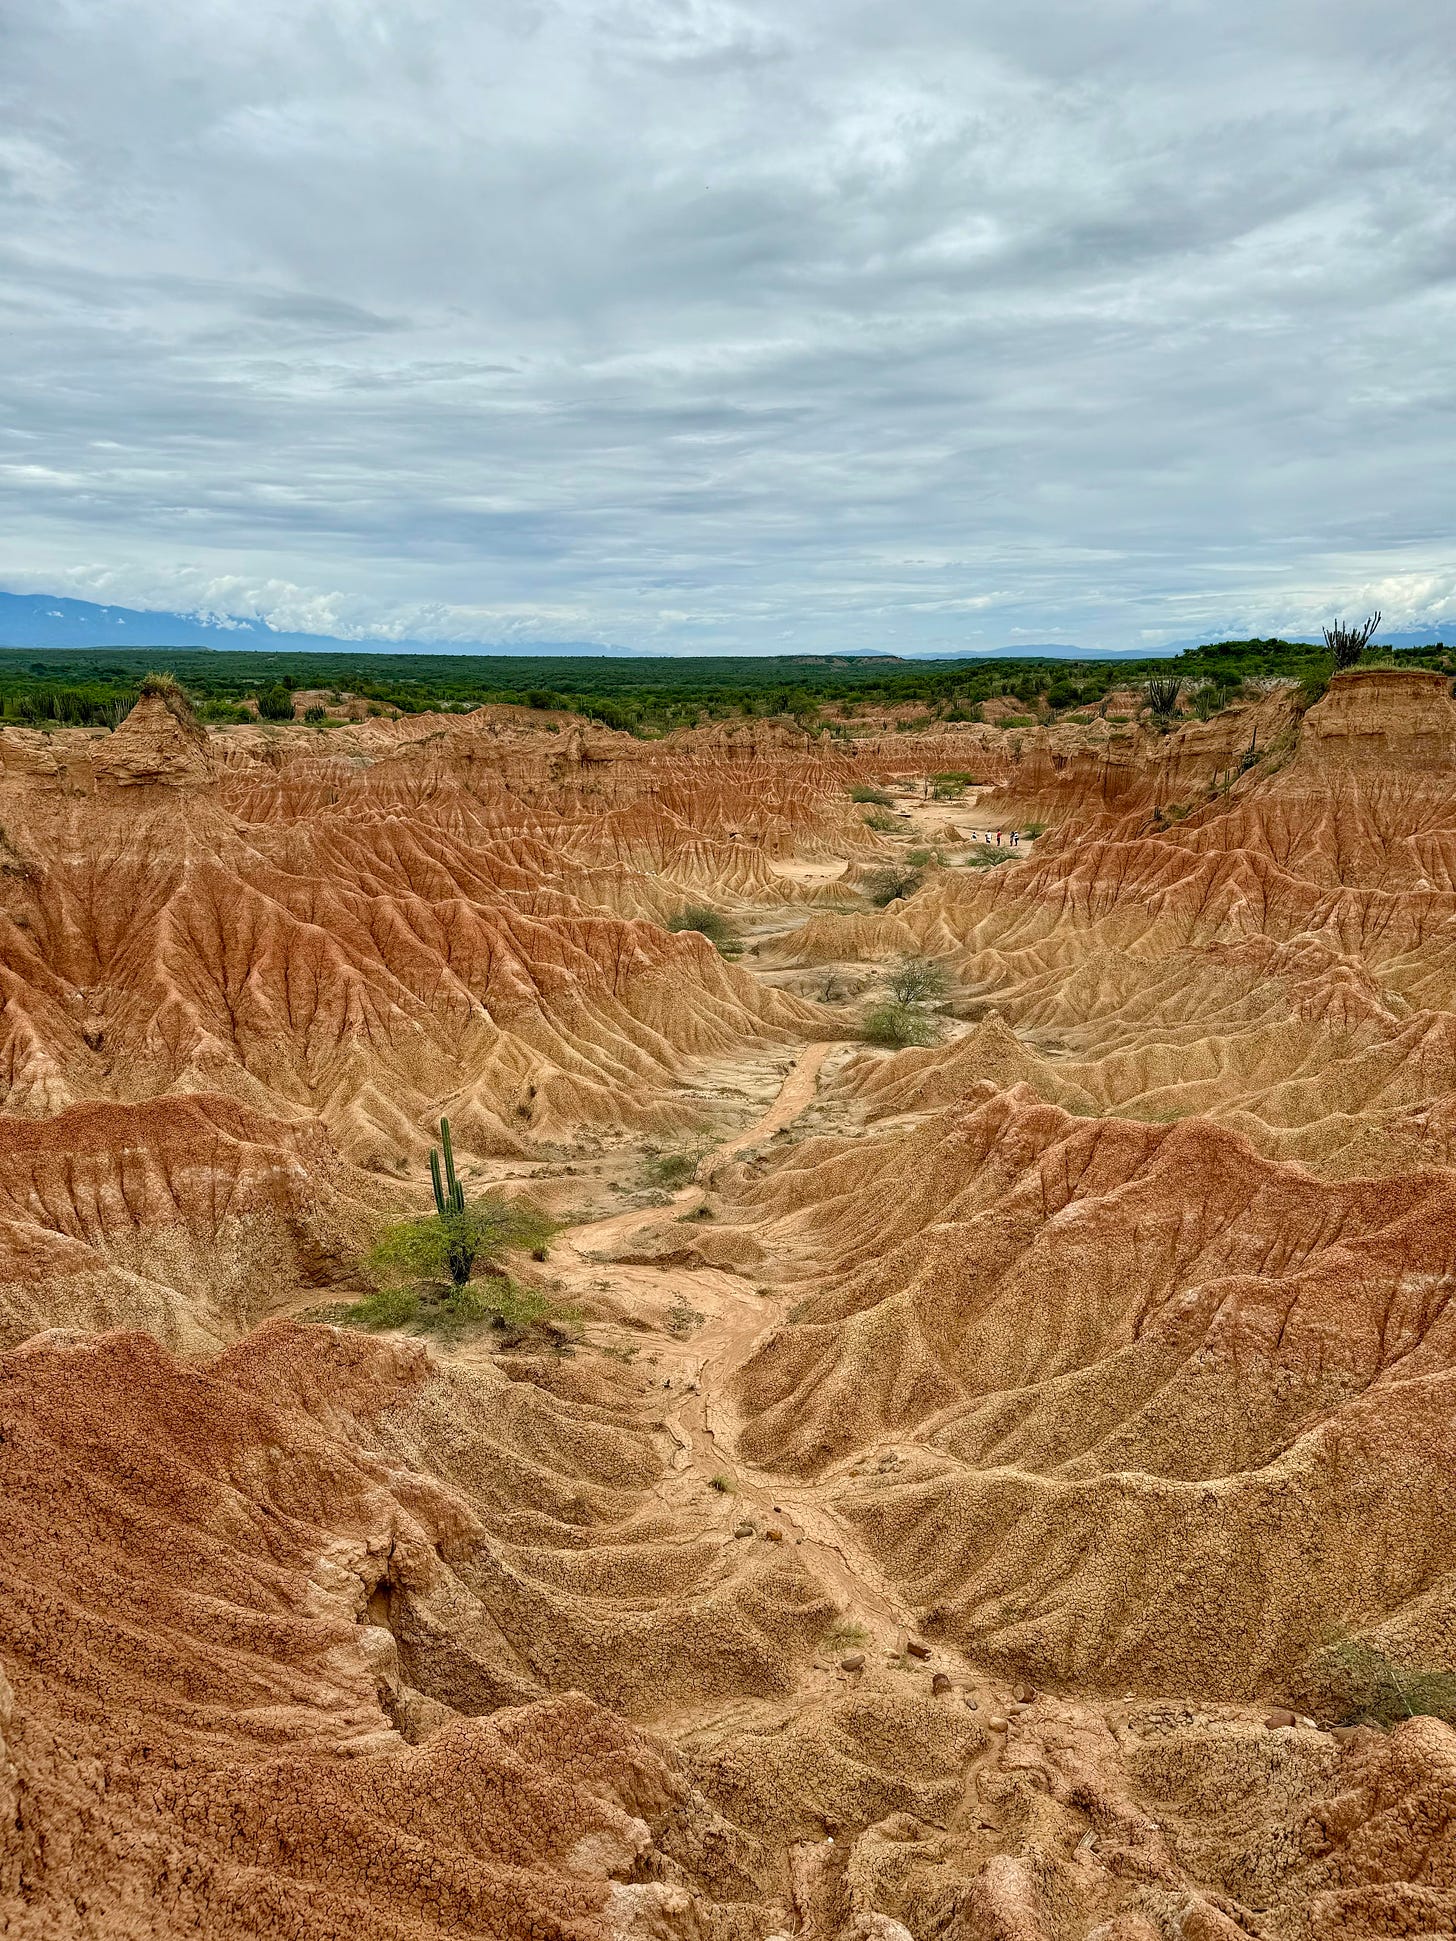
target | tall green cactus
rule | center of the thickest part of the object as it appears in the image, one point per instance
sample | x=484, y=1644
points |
x=449, y=1193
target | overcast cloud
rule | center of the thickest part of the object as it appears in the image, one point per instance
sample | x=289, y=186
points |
x=699, y=325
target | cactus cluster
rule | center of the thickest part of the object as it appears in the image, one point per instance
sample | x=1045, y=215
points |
x=449, y=1193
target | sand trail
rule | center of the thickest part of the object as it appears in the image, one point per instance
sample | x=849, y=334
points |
x=700, y=1418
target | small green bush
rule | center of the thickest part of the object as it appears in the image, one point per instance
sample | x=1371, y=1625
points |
x=1362, y=1684
x=895, y=1025
x=275, y=703
x=508, y=1304
x=882, y=886
x=916, y=980
x=444, y=1250
x=449, y=1311
x=671, y=1168
x=711, y=924
x=390, y=1307
x=844, y=1635
x=159, y=685
x=862, y=792
x=1314, y=687
x=878, y=820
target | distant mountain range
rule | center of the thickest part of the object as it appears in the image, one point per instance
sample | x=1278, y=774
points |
x=44, y=620
x=41, y=620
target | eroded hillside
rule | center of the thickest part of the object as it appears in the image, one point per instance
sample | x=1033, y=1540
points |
x=1000, y=1488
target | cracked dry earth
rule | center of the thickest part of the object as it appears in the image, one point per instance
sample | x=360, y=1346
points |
x=955, y=1510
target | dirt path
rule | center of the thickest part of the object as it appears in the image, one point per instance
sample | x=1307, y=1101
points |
x=699, y=1415
x=797, y=1091
x=789, y=1101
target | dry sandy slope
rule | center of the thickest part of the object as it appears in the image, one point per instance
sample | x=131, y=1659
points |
x=1103, y=1351
x=269, y=1675
x=459, y=925
x=1281, y=959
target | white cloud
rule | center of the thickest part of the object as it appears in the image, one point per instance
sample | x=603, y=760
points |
x=699, y=324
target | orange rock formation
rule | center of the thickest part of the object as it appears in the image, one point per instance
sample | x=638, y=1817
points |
x=976, y=1485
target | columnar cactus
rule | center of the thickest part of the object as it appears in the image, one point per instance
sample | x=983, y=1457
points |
x=449, y=1193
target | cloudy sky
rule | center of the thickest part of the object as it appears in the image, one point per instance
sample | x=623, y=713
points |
x=698, y=325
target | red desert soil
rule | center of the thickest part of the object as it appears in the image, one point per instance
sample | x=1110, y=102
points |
x=970, y=1492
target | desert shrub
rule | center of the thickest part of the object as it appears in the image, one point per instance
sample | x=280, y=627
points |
x=314, y=713
x=1205, y=703
x=1017, y=721
x=505, y=1302
x=863, y=792
x=723, y=1484
x=683, y=1320
x=1360, y=1682
x=71, y=707
x=882, y=886
x=711, y=924
x=895, y=1025
x=275, y=703
x=952, y=783
x=916, y=980
x=162, y=686
x=448, y=1311
x=445, y=1249
x=982, y=857
x=1314, y=687
x=844, y=1635
x=441, y=1308
x=885, y=824
x=1033, y=830
x=387, y=1307
x=166, y=688
x=671, y=1168
x=442, y=1249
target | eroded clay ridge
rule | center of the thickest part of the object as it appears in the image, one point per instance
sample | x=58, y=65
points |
x=970, y=1494
x=288, y=1665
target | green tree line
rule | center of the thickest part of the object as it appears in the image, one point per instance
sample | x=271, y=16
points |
x=82, y=687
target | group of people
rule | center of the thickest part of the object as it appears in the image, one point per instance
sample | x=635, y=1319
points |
x=1013, y=837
